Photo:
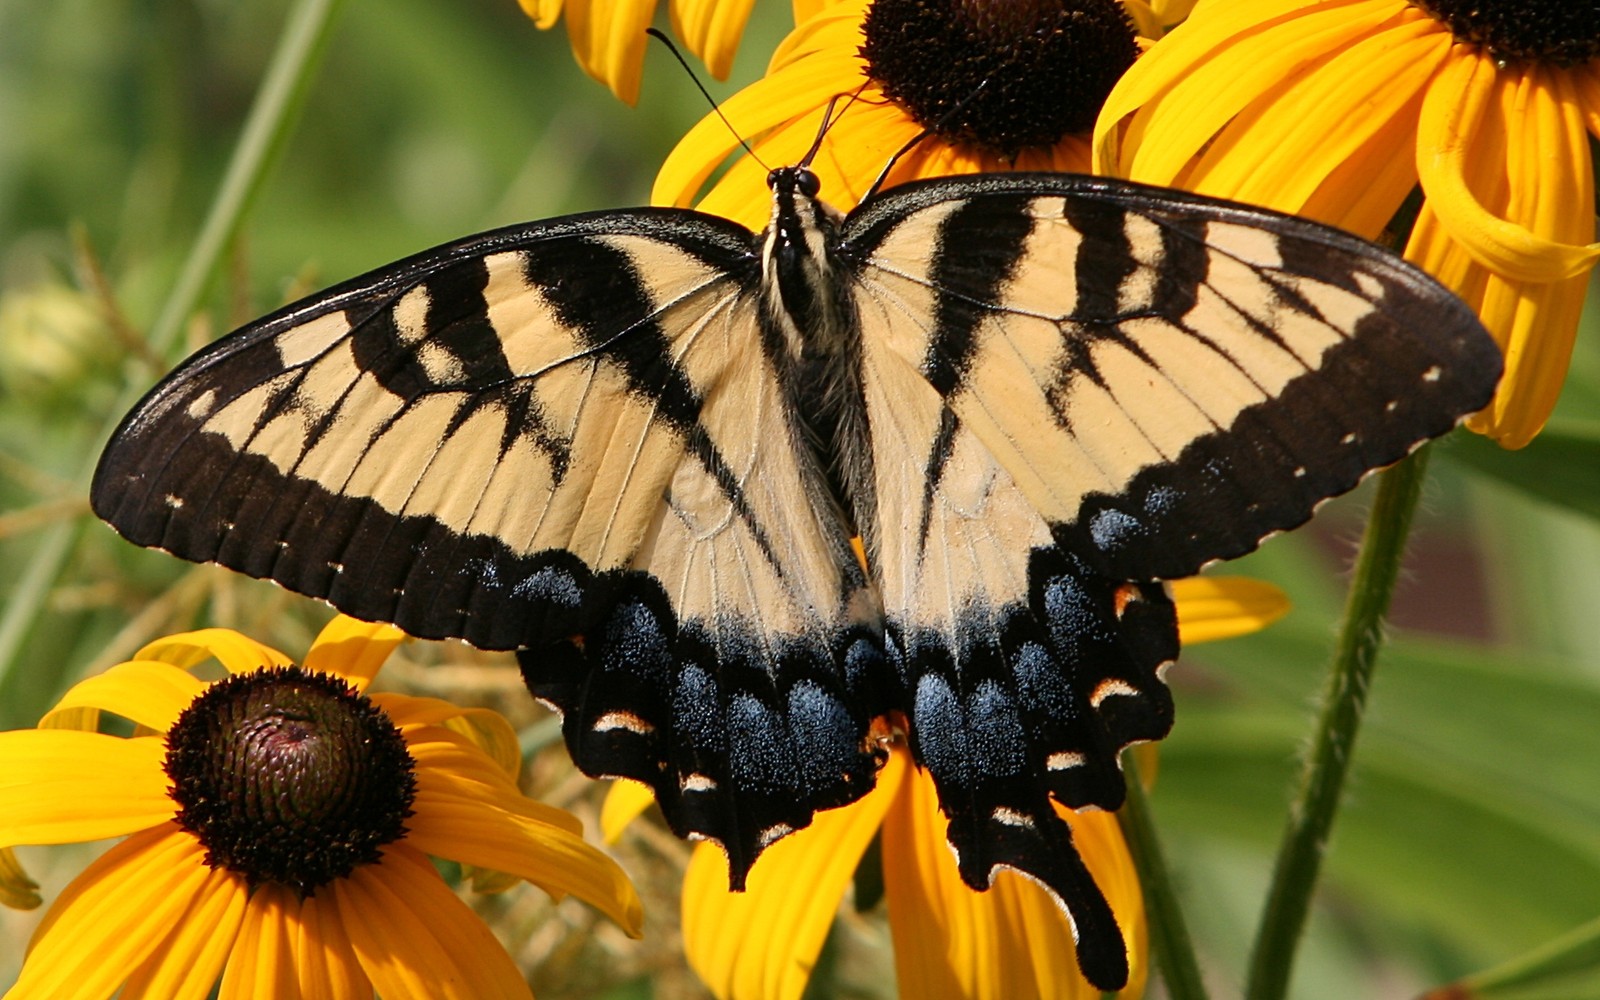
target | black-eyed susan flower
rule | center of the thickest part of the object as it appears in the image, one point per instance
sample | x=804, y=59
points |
x=608, y=36
x=950, y=941
x=1338, y=109
x=278, y=826
x=999, y=86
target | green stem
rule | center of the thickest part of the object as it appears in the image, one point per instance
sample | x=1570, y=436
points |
x=1344, y=699
x=1169, y=933
x=278, y=102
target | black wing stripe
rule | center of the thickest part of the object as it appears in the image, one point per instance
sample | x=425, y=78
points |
x=977, y=252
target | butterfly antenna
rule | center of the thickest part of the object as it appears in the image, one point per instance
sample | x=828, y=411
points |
x=661, y=37
x=949, y=116
x=829, y=119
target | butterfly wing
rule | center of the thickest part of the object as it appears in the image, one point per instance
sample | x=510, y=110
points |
x=1076, y=387
x=1024, y=672
x=1168, y=377
x=563, y=438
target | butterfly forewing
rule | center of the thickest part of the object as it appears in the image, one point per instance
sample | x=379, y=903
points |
x=1167, y=378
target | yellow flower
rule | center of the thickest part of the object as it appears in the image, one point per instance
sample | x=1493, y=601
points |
x=277, y=829
x=609, y=40
x=1337, y=109
x=1012, y=86
x=950, y=941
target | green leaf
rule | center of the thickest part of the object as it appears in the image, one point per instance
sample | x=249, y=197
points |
x=1567, y=968
x=1561, y=466
x=1475, y=804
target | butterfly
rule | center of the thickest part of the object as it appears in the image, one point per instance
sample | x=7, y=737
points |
x=636, y=447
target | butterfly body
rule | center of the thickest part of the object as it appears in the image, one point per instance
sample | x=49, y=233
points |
x=635, y=447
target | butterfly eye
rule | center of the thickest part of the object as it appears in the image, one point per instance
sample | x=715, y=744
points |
x=772, y=179
x=806, y=182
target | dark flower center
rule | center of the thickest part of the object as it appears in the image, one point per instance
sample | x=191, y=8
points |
x=288, y=776
x=1555, y=32
x=1001, y=75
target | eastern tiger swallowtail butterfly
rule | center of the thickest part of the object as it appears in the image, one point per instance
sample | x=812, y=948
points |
x=635, y=447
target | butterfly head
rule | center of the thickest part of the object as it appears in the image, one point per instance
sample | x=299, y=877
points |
x=799, y=179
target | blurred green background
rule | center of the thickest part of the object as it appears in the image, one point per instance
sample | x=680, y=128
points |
x=1472, y=831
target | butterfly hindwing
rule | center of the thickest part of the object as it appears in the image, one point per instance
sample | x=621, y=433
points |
x=564, y=439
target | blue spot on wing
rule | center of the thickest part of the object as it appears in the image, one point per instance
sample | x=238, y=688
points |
x=1163, y=500
x=824, y=734
x=998, y=743
x=1042, y=683
x=937, y=722
x=762, y=762
x=552, y=585
x=695, y=710
x=1111, y=529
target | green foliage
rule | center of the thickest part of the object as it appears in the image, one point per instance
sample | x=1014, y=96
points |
x=1561, y=466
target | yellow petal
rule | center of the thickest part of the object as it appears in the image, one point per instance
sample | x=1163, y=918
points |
x=186, y=965
x=263, y=962
x=545, y=13
x=468, y=827
x=1453, y=113
x=17, y=890
x=763, y=942
x=60, y=786
x=836, y=28
x=1549, y=188
x=352, y=649
x=945, y=935
x=801, y=89
x=115, y=916
x=240, y=654
x=608, y=38
x=1362, y=193
x=148, y=692
x=856, y=150
x=624, y=801
x=1536, y=169
x=484, y=728
x=1011, y=941
x=804, y=10
x=414, y=938
x=1285, y=148
x=1175, y=100
x=1586, y=81
x=448, y=760
x=490, y=732
x=1172, y=11
x=859, y=146
x=711, y=29
x=323, y=955
x=1221, y=607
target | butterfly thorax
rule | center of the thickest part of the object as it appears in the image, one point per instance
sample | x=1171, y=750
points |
x=800, y=289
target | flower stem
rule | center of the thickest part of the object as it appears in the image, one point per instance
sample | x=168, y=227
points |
x=283, y=91
x=1344, y=700
x=1169, y=934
